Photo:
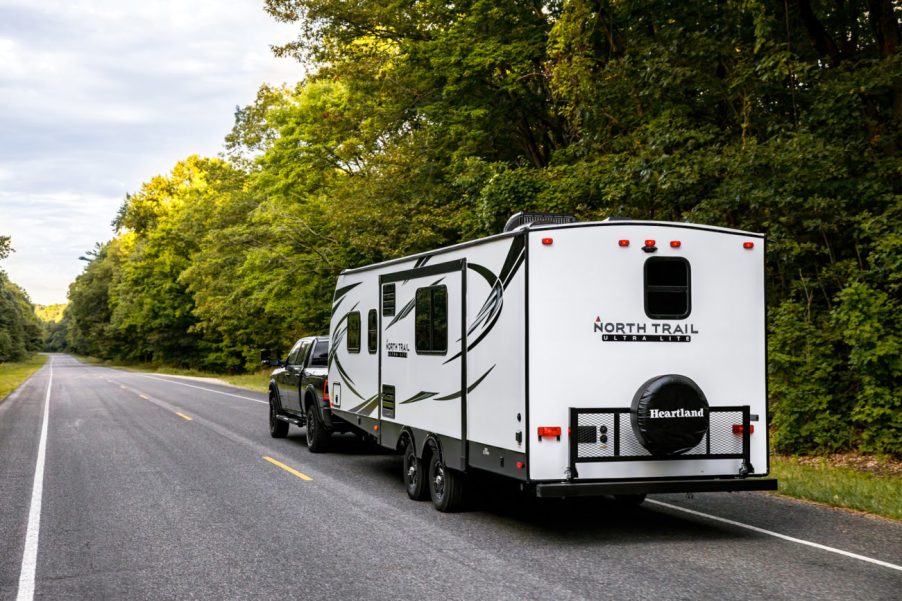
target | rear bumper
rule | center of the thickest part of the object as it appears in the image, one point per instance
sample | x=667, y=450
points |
x=635, y=487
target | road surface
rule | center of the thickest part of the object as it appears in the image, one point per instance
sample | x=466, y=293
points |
x=157, y=487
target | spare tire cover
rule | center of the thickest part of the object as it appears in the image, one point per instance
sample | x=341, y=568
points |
x=669, y=415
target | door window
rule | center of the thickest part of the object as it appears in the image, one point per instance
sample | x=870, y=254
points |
x=432, y=320
x=293, y=353
x=302, y=353
x=320, y=356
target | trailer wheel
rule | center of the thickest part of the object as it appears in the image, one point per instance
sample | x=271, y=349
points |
x=317, y=436
x=414, y=476
x=629, y=500
x=277, y=428
x=446, y=486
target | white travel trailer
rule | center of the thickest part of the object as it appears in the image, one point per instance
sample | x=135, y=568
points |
x=609, y=358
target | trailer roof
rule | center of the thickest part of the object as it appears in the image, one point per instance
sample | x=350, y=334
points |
x=554, y=226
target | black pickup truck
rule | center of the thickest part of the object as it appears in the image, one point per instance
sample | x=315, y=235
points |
x=299, y=392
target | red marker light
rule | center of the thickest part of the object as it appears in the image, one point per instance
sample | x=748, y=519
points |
x=649, y=243
x=748, y=245
x=624, y=243
x=547, y=241
x=520, y=465
x=548, y=431
x=675, y=244
x=737, y=428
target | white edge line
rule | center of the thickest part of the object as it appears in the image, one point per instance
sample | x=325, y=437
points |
x=30, y=554
x=237, y=396
x=791, y=539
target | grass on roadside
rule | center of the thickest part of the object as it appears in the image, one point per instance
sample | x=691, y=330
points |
x=13, y=374
x=818, y=480
x=257, y=382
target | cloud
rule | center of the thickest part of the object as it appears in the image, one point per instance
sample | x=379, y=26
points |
x=98, y=96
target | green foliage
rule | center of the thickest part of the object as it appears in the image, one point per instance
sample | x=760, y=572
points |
x=819, y=479
x=12, y=375
x=55, y=326
x=50, y=313
x=422, y=124
x=20, y=329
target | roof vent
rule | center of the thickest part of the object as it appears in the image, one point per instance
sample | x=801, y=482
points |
x=523, y=218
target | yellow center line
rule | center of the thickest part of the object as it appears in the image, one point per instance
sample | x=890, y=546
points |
x=290, y=470
x=183, y=416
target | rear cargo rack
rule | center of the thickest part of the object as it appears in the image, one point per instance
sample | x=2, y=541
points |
x=605, y=435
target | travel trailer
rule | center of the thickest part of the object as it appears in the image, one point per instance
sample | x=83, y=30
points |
x=607, y=358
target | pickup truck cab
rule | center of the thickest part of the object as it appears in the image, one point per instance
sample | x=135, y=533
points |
x=298, y=392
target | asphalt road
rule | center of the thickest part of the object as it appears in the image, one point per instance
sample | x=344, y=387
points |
x=140, y=502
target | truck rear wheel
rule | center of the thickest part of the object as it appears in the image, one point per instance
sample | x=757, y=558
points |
x=414, y=478
x=446, y=486
x=317, y=436
x=277, y=428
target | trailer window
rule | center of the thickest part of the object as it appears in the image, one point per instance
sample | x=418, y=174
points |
x=432, y=320
x=354, y=332
x=667, y=288
x=371, y=327
x=388, y=300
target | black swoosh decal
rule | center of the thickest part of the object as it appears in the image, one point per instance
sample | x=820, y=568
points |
x=404, y=312
x=366, y=406
x=407, y=308
x=340, y=295
x=488, y=315
x=470, y=388
x=420, y=396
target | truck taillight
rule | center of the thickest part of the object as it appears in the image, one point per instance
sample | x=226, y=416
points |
x=737, y=428
x=326, y=391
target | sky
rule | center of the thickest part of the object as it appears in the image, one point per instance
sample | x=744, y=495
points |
x=98, y=96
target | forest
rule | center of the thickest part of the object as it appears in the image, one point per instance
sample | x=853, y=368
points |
x=21, y=332
x=422, y=123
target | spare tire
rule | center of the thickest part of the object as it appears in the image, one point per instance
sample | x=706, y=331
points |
x=669, y=415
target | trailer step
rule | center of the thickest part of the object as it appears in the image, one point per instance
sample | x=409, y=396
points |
x=632, y=487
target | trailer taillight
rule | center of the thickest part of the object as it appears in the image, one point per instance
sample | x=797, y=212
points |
x=624, y=243
x=675, y=244
x=547, y=241
x=748, y=245
x=326, y=392
x=550, y=432
x=737, y=428
x=520, y=465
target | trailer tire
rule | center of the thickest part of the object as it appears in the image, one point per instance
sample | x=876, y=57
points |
x=670, y=396
x=277, y=428
x=317, y=436
x=446, y=486
x=414, y=476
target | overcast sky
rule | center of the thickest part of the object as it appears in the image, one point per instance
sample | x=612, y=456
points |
x=98, y=96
